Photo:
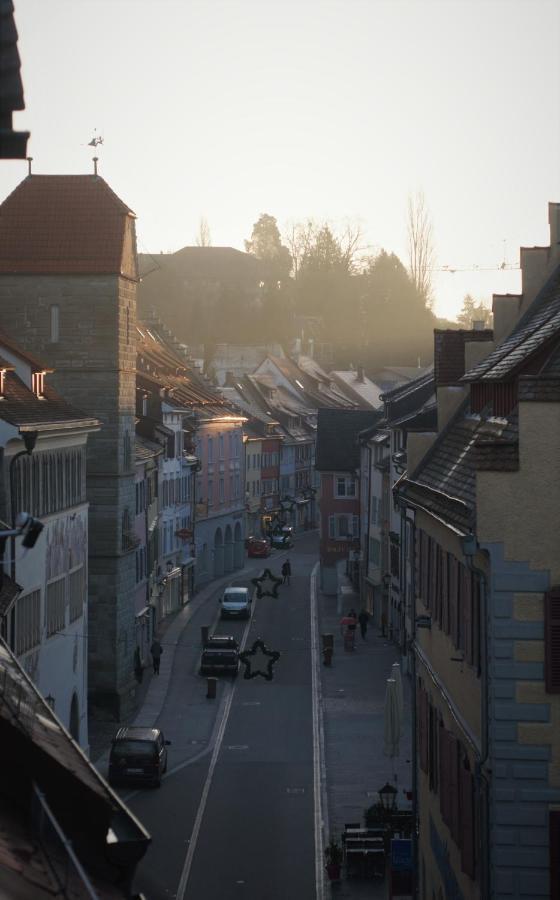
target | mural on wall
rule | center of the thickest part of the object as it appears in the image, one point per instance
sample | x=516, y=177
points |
x=66, y=545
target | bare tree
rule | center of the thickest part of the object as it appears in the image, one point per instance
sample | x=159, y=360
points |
x=303, y=237
x=203, y=237
x=420, y=245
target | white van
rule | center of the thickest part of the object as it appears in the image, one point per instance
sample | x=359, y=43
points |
x=236, y=602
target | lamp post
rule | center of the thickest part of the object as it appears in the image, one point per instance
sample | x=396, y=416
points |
x=29, y=440
x=388, y=799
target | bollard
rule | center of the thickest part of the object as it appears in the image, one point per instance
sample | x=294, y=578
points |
x=327, y=655
x=328, y=641
x=204, y=634
x=211, y=690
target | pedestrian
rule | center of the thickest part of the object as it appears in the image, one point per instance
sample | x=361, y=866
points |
x=348, y=630
x=286, y=572
x=156, y=650
x=363, y=619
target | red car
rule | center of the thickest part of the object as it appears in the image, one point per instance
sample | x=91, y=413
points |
x=258, y=547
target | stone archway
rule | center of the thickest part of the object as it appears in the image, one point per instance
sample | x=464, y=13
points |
x=218, y=553
x=228, y=550
x=238, y=547
x=74, y=726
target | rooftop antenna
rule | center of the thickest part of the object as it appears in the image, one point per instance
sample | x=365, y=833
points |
x=95, y=161
x=96, y=139
x=29, y=161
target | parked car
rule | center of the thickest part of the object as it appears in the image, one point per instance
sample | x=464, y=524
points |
x=138, y=754
x=235, y=602
x=281, y=541
x=220, y=654
x=258, y=547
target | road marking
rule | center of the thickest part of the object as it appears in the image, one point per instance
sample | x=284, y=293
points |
x=319, y=775
x=251, y=703
x=295, y=790
x=187, y=865
x=237, y=746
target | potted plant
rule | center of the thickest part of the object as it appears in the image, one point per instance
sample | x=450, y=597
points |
x=333, y=854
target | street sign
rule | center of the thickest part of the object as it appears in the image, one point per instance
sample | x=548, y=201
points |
x=401, y=855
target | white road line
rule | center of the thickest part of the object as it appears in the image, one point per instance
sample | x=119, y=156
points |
x=183, y=881
x=319, y=775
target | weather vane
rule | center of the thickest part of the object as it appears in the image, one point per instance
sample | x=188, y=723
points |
x=96, y=139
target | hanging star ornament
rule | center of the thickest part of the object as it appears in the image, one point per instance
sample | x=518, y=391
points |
x=267, y=584
x=254, y=659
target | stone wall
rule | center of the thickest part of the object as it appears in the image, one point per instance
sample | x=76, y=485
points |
x=94, y=359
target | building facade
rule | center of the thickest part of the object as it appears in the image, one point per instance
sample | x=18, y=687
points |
x=68, y=279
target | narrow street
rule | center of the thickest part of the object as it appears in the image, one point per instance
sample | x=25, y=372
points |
x=256, y=776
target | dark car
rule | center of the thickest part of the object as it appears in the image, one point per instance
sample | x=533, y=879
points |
x=258, y=547
x=138, y=754
x=220, y=654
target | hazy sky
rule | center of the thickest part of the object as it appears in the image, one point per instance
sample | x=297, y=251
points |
x=315, y=108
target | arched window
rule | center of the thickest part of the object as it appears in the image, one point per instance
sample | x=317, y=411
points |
x=55, y=323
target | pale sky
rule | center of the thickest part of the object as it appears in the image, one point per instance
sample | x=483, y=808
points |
x=306, y=108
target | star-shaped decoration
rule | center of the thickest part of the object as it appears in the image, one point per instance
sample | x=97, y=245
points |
x=257, y=659
x=267, y=584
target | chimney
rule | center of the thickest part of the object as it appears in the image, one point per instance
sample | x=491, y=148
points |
x=229, y=380
x=506, y=311
x=453, y=354
x=311, y=347
x=360, y=375
x=554, y=224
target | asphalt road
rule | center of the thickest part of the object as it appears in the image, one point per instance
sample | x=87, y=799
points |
x=235, y=815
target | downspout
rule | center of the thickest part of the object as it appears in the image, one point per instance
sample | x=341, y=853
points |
x=470, y=546
x=370, y=488
x=412, y=645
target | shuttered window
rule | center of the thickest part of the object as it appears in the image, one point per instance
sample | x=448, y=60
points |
x=552, y=640
x=422, y=712
x=466, y=594
x=453, y=759
x=444, y=788
x=445, y=594
x=466, y=800
x=554, y=844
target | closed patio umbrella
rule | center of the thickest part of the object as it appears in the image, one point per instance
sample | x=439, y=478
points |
x=396, y=674
x=392, y=720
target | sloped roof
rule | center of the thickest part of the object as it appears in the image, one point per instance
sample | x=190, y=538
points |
x=144, y=449
x=445, y=480
x=21, y=407
x=365, y=390
x=62, y=224
x=305, y=385
x=338, y=448
x=540, y=324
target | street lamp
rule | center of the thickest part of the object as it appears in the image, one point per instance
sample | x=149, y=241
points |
x=388, y=798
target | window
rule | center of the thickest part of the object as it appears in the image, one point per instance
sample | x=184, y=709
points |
x=374, y=551
x=210, y=492
x=55, y=323
x=55, y=615
x=28, y=622
x=221, y=446
x=210, y=450
x=38, y=383
x=76, y=593
x=343, y=527
x=178, y=444
x=126, y=451
x=375, y=508
x=344, y=486
x=170, y=447
x=552, y=640
x=221, y=490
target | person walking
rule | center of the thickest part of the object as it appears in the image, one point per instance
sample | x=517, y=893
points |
x=363, y=619
x=286, y=572
x=156, y=650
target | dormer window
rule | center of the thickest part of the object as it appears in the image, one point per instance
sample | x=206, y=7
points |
x=55, y=323
x=39, y=384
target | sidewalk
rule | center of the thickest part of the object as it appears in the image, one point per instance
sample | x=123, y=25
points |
x=353, y=691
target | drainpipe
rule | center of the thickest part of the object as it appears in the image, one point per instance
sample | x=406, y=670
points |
x=469, y=546
x=415, y=867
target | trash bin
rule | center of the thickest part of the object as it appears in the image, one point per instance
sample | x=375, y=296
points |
x=211, y=689
x=327, y=655
x=204, y=633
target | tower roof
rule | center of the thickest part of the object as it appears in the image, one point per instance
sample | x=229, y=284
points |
x=63, y=224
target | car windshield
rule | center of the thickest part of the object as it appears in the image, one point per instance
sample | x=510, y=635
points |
x=135, y=748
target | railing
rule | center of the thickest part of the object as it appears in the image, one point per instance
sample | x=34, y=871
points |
x=63, y=862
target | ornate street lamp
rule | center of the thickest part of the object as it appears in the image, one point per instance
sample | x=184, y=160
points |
x=388, y=798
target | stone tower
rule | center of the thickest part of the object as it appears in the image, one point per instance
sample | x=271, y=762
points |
x=68, y=277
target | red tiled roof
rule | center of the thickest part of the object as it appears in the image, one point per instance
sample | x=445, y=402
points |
x=62, y=224
x=20, y=406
